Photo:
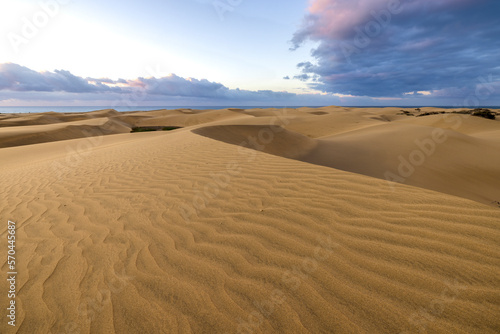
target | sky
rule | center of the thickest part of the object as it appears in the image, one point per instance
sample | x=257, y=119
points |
x=250, y=53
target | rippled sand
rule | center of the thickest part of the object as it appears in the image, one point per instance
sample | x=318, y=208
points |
x=252, y=221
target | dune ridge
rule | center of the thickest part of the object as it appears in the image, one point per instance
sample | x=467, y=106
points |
x=454, y=156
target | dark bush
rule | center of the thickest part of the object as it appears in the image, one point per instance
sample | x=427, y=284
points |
x=405, y=112
x=153, y=128
x=486, y=113
x=431, y=113
x=142, y=129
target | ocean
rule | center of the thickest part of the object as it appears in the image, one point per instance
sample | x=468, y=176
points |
x=18, y=110
x=31, y=109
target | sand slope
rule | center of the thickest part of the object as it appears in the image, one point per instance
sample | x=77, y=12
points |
x=434, y=153
x=34, y=134
x=175, y=232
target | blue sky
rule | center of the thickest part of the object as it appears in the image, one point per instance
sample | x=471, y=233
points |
x=242, y=52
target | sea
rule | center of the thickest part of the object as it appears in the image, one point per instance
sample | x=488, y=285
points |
x=76, y=109
x=69, y=109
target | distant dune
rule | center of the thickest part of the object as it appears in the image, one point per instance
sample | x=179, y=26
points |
x=253, y=221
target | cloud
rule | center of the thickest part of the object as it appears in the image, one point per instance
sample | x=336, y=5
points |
x=19, y=78
x=15, y=78
x=302, y=77
x=386, y=48
x=174, y=85
x=20, y=85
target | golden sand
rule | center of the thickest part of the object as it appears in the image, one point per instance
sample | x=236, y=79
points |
x=252, y=221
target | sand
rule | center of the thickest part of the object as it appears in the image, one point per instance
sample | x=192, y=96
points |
x=252, y=221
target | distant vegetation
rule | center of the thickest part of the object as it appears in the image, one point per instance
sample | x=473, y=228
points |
x=486, y=113
x=153, y=128
x=431, y=113
x=479, y=112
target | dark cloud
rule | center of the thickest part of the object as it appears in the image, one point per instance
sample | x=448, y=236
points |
x=19, y=78
x=302, y=77
x=386, y=48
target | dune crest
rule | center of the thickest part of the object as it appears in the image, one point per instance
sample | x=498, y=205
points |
x=269, y=139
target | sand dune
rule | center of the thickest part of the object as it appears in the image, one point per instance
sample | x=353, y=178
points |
x=184, y=119
x=34, y=134
x=51, y=117
x=187, y=231
x=465, y=163
x=275, y=140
